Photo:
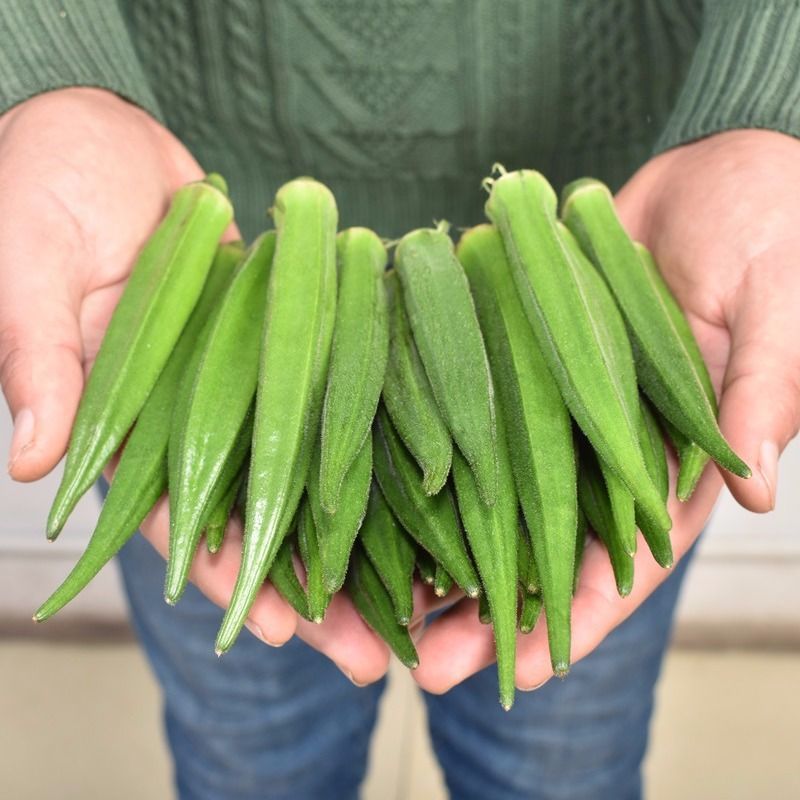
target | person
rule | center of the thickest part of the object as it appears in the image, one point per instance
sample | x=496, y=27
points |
x=691, y=107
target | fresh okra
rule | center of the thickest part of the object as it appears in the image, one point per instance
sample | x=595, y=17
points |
x=448, y=338
x=358, y=360
x=163, y=288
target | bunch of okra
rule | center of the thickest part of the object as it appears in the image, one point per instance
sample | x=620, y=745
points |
x=465, y=415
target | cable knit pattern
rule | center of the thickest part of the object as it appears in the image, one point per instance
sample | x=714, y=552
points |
x=401, y=106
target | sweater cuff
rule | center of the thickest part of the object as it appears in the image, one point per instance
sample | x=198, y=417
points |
x=745, y=72
x=46, y=45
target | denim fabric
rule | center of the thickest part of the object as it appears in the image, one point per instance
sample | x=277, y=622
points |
x=284, y=723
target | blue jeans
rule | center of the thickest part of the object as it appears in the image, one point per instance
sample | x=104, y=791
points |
x=285, y=723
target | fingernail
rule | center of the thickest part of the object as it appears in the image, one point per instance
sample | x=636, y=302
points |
x=23, y=436
x=768, y=467
x=349, y=676
x=534, y=688
x=259, y=634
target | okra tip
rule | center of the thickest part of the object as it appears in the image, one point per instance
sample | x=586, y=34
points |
x=217, y=181
x=579, y=187
x=561, y=669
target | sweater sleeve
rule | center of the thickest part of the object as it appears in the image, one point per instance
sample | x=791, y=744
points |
x=745, y=72
x=53, y=44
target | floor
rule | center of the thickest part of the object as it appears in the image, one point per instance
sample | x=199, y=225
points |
x=727, y=726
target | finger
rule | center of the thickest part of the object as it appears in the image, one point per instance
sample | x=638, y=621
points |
x=271, y=619
x=455, y=646
x=346, y=639
x=760, y=403
x=41, y=372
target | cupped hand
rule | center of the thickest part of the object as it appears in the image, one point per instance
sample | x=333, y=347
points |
x=85, y=177
x=720, y=216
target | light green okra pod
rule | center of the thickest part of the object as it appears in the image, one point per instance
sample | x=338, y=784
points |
x=431, y=521
x=308, y=543
x=566, y=323
x=373, y=602
x=426, y=566
x=655, y=459
x=163, y=288
x=141, y=475
x=301, y=308
x=618, y=356
x=594, y=501
x=580, y=548
x=211, y=408
x=484, y=612
x=674, y=379
x=442, y=581
x=409, y=399
x=391, y=552
x=358, y=359
x=283, y=577
x=529, y=610
x=692, y=460
x=527, y=571
x=493, y=536
x=337, y=532
x=217, y=520
x=691, y=457
x=540, y=439
x=448, y=338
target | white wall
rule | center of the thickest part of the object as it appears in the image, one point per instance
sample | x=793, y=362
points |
x=746, y=581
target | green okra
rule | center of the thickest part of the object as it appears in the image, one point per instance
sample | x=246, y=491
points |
x=283, y=577
x=391, y=552
x=217, y=520
x=669, y=364
x=337, y=532
x=566, y=323
x=442, y=581
x=529, y=609
x=374, y=604
x=580, y=548
x=141, y=475
x=409, y=400
x=163, y=288
x=528, y=573
x=211, y=408
x=493, y=536
x=308, y=543
x=595, y=504
x=301, y=307
x=484, y=612
x=426, y=567
x=692, y=460
x=358, y=359
x=540, y=439
x=655, y=459
x=448, y=338
x=618, y=356
x=691, y=457
x=431, y=521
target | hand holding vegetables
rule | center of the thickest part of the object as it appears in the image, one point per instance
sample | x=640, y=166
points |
x=719, y=218
x=86, y=177
x=577, y=309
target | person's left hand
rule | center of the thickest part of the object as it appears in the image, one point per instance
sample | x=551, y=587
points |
x=721, y=218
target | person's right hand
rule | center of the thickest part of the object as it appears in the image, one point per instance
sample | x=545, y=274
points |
x=85, y=177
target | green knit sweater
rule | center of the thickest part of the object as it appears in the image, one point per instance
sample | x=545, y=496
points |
x=402, y=106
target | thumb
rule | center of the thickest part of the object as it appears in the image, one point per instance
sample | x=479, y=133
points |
x=760, y=403
x=40, y=359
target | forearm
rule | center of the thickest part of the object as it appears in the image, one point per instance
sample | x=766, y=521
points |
x=745, y=72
